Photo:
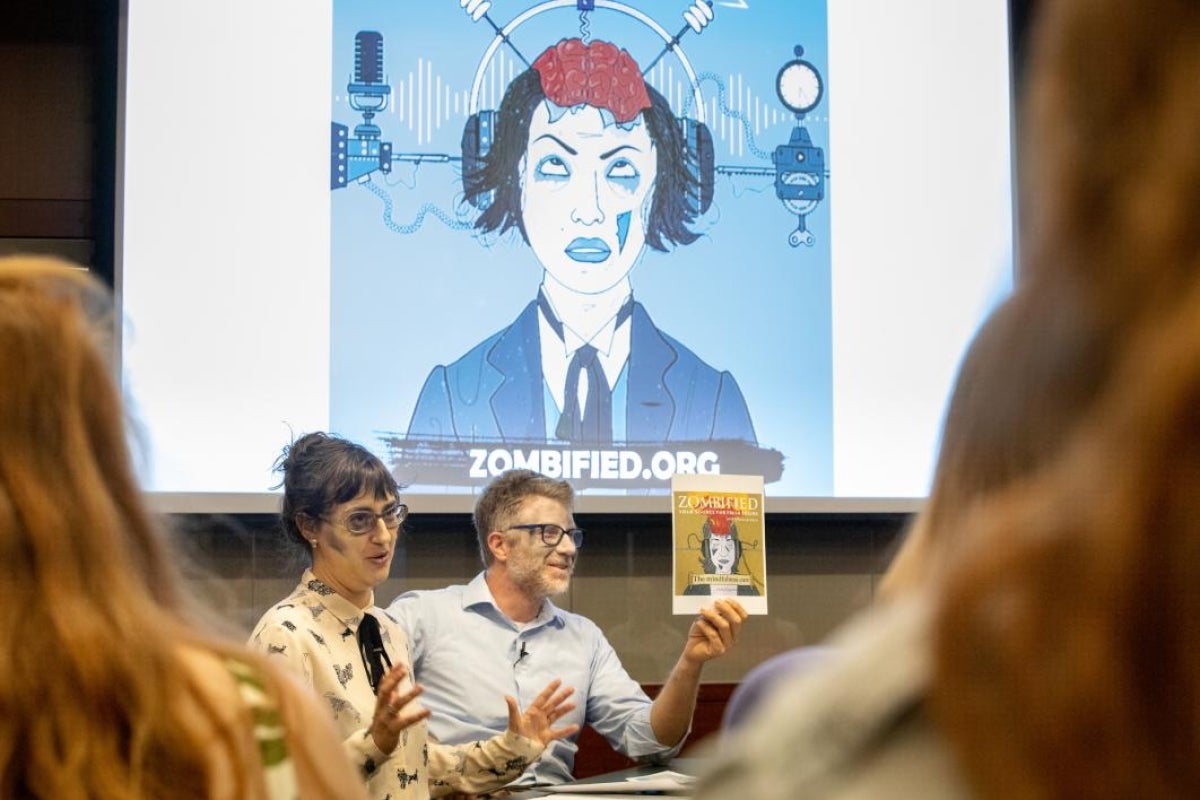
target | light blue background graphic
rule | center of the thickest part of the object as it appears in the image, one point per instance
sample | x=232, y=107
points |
x=410, y=291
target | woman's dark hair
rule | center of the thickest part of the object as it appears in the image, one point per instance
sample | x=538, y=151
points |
x=319, y=472
x=670, y=212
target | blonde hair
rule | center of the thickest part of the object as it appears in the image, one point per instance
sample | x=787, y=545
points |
x=94, y=697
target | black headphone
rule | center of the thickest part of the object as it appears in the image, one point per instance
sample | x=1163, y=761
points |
x=480, y=133
x=700, y=160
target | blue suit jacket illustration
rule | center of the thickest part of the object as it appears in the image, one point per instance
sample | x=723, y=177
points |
x=496, y=391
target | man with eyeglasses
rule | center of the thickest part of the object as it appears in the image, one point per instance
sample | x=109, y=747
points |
x=502, y=633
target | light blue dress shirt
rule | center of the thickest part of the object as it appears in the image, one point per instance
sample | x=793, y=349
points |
x=468, y=656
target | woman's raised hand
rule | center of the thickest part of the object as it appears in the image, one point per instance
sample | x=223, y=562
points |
x=394, y=709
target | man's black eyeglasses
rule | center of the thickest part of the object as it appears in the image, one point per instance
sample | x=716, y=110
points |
x=551, y=534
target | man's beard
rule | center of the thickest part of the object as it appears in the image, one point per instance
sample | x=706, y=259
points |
x=528, y=572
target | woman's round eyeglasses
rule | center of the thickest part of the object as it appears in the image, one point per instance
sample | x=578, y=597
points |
x=363, y=521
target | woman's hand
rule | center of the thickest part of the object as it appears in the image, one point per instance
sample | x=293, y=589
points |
x=394, y=709
x=547, y=707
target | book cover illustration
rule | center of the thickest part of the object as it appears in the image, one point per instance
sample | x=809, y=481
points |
x=719, y=541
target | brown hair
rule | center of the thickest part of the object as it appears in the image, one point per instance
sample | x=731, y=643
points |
x=1110, y=187
x=502, y=498
x=1035, y=365
x=1067, y=663
x=321, y=471
x=1066, y=657
x=1110, y=166
x=91, y=619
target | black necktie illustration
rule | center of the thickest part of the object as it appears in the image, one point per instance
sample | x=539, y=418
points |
x=592, y=424
x=591, y=421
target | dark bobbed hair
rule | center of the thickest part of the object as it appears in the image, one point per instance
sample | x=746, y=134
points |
x=319, y=472
x=670, y=213
x=502, y=498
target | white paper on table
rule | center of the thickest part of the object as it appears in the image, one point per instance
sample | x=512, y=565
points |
x=665, y=781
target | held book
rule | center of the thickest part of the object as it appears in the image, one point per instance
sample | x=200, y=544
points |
x=720, y=542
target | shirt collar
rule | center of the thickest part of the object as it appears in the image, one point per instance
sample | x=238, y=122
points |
x=569, y=340
x=478, y=597
x=316, y=591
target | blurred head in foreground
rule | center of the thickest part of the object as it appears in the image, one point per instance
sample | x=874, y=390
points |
x=1110, y=237
x=107, y=689
x=1067, y=663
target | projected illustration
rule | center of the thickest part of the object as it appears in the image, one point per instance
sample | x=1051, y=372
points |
x=586, y=237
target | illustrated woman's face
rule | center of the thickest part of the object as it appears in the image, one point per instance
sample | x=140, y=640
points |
x=723, y=552
x=586, y=190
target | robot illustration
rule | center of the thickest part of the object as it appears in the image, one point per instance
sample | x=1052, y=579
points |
x=589, y=167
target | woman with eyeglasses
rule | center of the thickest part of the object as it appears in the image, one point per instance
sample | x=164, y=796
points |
x=341, y=506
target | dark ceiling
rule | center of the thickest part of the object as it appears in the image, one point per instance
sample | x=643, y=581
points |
x=53, y=21
x=80, y=21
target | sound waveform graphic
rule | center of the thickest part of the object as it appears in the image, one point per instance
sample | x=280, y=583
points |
x=422, y=103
